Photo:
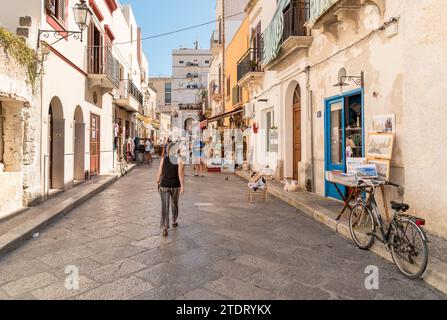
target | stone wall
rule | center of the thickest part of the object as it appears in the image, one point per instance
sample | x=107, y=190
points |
x=20, y=182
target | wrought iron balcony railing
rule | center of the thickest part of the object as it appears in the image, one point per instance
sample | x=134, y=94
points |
x=128, y=88
x=100, y=61
x=250, y=62
x=295, y=18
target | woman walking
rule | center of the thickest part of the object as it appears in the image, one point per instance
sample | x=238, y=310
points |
x=170, y=181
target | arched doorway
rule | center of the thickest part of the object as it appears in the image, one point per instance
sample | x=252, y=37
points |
x=188, y=125
x=56, y=145
x=296, y=130
x=79, y=145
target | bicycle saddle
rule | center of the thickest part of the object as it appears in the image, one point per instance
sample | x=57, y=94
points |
x=399, y=206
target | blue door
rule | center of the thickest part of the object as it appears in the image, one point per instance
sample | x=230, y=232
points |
x=334, y=142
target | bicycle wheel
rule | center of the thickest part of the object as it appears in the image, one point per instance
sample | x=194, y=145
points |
x=409, y=249
x=362, y=227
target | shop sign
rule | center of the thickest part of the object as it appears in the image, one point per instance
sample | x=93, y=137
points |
x=273, y=140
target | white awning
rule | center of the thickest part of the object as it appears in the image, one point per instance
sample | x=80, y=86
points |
x=273, y=33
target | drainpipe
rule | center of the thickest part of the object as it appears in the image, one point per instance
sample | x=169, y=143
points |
x=311, y=119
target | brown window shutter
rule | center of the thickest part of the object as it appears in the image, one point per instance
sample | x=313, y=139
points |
x=61, y=10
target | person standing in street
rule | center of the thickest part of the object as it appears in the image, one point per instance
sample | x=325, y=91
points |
x=170, y=181
x=148, y=146
x=198, y=156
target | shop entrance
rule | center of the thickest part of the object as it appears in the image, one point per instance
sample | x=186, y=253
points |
x=296, y=131
x=94, y=144
x=344, y=134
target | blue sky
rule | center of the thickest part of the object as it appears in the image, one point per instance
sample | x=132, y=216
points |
x=160, y=16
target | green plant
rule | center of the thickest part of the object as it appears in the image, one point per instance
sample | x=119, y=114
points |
x=15, y=47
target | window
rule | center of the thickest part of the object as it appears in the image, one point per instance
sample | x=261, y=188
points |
x=168, y=93
x=228, y=86
x=56, y=8
x=181, y=62
x=269, y=123
x=207, y=62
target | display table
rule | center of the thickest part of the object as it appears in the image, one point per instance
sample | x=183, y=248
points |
x=354, y=190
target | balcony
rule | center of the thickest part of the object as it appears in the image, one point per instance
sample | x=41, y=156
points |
x=249, y=67
x=215, y=92
x=295, y=38
x=103, y=69
x=129, y=97
x=326, y=15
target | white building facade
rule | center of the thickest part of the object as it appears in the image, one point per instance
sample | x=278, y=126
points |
x=190, y=68
x=87, y=87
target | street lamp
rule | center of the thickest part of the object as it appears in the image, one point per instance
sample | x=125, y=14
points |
x=358, y=80
x=82, y=15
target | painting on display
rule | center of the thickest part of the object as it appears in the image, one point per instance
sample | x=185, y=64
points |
x=383, y=168
x=380, y=146
x=384, y=124
x=352, y=164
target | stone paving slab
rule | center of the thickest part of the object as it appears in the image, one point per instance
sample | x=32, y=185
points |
x=231, y=249
x=23, y=226
x=326, y=210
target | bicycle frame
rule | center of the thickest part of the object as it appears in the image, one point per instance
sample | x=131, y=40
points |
x=371, y=205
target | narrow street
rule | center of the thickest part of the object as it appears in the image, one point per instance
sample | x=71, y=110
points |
x=224, y=248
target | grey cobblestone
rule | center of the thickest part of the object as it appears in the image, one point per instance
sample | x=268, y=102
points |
x=224, y=248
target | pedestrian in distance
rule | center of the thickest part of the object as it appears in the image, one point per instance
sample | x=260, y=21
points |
x=141, y=154
x=198, y=157
x=148, y=146
x=170, y=182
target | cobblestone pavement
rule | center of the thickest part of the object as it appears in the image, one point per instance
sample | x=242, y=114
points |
x=224, y=248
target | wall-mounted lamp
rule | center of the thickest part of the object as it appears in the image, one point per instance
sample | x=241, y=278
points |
x=358, y=80
x=82, y=15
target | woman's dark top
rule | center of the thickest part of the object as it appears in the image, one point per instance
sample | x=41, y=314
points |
x=169, y=176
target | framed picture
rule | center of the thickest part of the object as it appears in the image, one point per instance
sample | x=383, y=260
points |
x=352, y=164
x=383, y=168
x=384, y=124
x=367, y=170
x=380, y=146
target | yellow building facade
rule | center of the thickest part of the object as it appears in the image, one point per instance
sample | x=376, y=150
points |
x=235, y=96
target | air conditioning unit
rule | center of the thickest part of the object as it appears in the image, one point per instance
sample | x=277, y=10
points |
x=249, y=110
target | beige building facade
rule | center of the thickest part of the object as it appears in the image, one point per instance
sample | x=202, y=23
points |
x=335, y=68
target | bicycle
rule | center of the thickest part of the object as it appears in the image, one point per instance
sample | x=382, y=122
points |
x=403, y=236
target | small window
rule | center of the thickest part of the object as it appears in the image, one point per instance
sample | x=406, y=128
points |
x=168, y=93
x=56, y=8
x=228, y=86
x=269, y=123
x=181, y=62
x=207, y=62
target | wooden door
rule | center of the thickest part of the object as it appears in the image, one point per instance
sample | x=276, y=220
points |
x=57, y=153
x=296, y=138
x=94, y=144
